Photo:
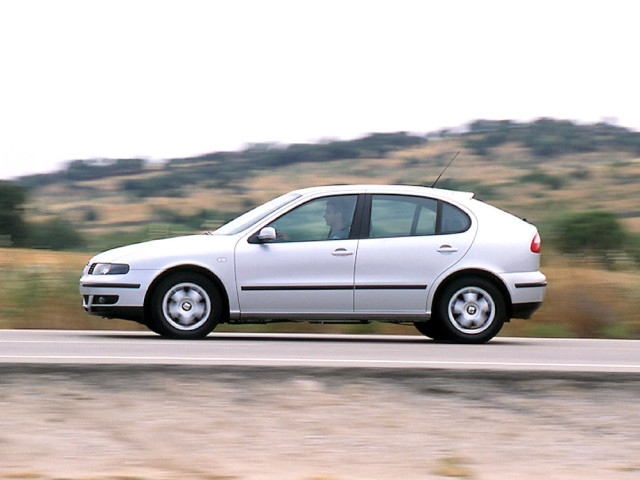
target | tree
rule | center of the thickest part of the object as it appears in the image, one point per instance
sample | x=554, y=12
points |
x=12, y=224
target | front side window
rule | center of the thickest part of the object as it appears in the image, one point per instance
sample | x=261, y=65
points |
x=404, y=216
x=327, y=218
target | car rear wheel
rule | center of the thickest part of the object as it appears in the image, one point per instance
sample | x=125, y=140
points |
x=432, y=329
x=185, y=305
x=471, y=310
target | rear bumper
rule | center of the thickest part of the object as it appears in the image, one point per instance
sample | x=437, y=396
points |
x=525, y=288
x=524, y=310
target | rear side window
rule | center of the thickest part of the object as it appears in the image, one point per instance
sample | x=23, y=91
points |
x=404, y=216
x=452, y=219
x=400, y=216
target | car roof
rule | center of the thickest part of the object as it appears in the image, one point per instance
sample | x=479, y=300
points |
x=386, y=189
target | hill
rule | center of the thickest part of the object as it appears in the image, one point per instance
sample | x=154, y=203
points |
x=534, y=170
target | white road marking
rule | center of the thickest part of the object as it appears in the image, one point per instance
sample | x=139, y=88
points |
x=259, y=361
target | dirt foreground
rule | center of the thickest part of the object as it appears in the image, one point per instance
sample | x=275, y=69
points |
x=150, y=422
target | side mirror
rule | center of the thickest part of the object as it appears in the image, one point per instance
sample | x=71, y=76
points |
x=267, y=234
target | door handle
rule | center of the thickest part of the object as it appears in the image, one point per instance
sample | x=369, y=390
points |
x=341, y=252
x=447, y=249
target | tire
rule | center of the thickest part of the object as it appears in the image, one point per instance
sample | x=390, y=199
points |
x=432, y=329
x=185, y=306
x=151, y=325
x=471, y=310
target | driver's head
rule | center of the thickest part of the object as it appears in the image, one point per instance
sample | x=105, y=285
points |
x=336, y=213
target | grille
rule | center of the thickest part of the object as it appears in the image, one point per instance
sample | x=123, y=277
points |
x=92, y=268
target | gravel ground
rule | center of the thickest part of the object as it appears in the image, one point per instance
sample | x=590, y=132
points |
x=150, y=422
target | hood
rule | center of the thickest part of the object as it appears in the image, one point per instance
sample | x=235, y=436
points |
x=148, y=255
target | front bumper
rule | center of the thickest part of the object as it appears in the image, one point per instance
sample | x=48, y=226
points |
x=125, y=313
x=115, y=296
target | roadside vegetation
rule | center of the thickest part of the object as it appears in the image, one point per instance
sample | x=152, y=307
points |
x=39, y=289
x=578, y=183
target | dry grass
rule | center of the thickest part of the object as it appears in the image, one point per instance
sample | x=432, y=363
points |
x=584, y=299
x=39, y=289
x=453, y=467
x=26, y=258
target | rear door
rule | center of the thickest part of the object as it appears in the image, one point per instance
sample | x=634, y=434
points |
x=409, y=242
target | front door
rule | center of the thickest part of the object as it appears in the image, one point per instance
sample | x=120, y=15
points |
x=308, y=270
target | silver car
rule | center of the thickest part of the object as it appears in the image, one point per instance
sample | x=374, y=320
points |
x=451, y=265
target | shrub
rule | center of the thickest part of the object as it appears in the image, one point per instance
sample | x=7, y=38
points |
x=597, y=233
x=554, y=182
x=12, y=225
x=633, y=247
x=55, y=234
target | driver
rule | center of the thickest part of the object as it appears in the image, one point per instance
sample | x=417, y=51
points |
x=336, y=215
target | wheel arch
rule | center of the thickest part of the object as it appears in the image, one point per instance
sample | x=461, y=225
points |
x=188, y=269
x=473, y=272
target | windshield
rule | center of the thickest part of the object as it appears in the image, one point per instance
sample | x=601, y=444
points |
x=247, y=219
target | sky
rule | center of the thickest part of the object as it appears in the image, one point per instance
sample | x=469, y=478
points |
x=159, y=79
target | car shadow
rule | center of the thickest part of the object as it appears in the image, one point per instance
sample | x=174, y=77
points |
x=307, y=337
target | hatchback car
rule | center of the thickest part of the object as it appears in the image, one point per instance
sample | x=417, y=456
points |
x=451, y=265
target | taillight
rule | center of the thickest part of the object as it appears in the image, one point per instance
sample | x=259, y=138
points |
x=535, y=243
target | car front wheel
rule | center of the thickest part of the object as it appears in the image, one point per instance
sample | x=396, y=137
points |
x=186, y=306
x=471, y=310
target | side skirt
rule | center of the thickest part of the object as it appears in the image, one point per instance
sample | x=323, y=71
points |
x=267, y=317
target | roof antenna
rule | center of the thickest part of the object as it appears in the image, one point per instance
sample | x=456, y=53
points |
x=445, y=168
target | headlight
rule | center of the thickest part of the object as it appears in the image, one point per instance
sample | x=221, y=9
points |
x=109, y=269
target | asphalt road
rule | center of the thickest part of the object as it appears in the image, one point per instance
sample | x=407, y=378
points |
x=304, y=350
